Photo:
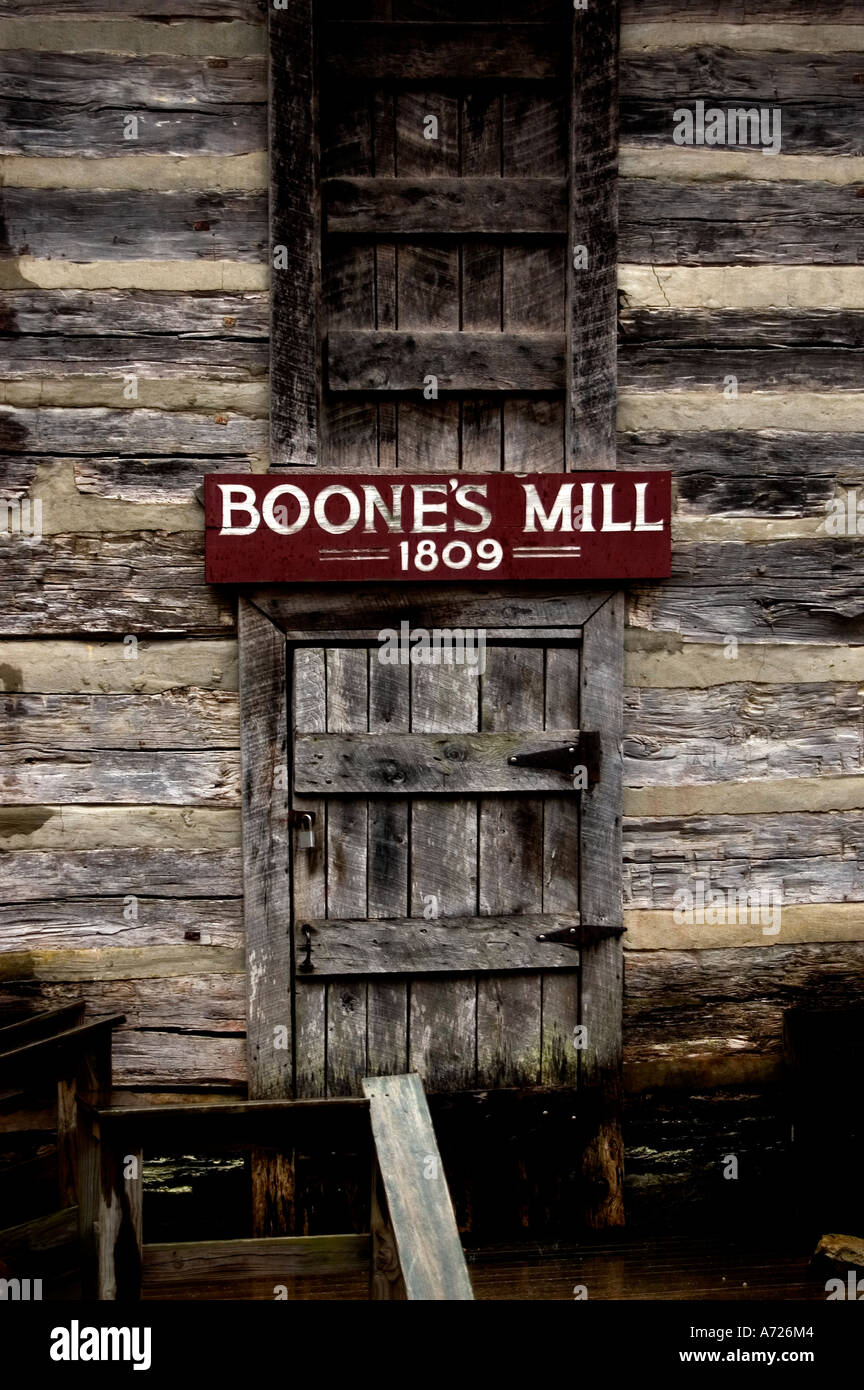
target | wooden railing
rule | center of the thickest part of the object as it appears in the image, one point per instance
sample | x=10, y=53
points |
x=55, y=1049
x=411, y=1253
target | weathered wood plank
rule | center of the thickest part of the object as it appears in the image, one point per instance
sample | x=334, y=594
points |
x=469, y=206
x=742, y=733
x=784, y=368
x=177, y=719
x=123, y=313
x=443, y=1021
x=295, y=214
x=308, y=884
x=145, y=583
x=726, y=76
x=347, y=674
x=266, y=845
x=37, y=875
x=160, y=1057
x=411, y=52
x=44, y=773
x=129, y=225
x=341, y=609
x=561, y=847
x=601, y=685
x=57, y=430
x=808, y=858
x=410, y=945
x=740, y=328
x=156, y=355
x=419, y=1211
x=43, y=1024
x=743, y=11
x=246, y=1268
x=372, y=361
x=722, y=222
x=447, y=763
x=742, y=222
x=756, y=611
x=589, y=423
x=704, y=1004
x=49, y=935
x=177, y=1124
x=388, y=876
x=510, y=879
x=809, y=127
x=247, y=10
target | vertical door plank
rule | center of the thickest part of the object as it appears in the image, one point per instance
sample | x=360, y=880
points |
x=560, y=1058
x=534, y=137
x=266, y=850
x=593, y=223
x=266, y=897
x=481, y=278
x=602, y=679
x=533, y=435
x=347, y=851
x=444, y=883
x=295, y=238
x=427, y=280
x=384, y=136
x=510, y=875
x=310, y=900
x=387, y=1000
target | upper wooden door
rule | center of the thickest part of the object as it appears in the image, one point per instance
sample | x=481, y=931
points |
x=444, y=228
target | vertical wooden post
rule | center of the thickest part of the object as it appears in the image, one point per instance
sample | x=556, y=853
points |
x=109, y=1187
x=590, y=427
x=267, y=899
x=592, y=253
x=295, y=237
x=601, y=706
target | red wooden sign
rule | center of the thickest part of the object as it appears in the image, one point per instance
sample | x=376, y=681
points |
x=344, y=526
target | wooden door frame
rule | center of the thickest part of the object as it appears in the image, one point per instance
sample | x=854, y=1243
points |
x=271, y=618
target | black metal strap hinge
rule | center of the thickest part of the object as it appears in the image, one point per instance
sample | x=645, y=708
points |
x=584, y=935
x=585, y=752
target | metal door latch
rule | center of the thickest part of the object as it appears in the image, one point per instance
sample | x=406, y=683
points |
x=585, y=752
x=305, y=966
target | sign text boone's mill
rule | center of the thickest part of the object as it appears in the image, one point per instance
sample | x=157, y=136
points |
x=338, y=526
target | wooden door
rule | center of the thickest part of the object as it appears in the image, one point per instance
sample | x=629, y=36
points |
x=437, y=868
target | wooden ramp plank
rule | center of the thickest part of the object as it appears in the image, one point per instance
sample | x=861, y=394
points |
x=416, y=1253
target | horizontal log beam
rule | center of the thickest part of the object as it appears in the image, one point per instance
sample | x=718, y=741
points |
x=415, y=946
x=663, y=221
x=239, y=1125
x=246, y=1268
x=402, y=764
x=445, y=207
x=372, y=361
x=411, y=52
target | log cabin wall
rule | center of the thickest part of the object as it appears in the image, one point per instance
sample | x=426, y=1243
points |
x=135, y=309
